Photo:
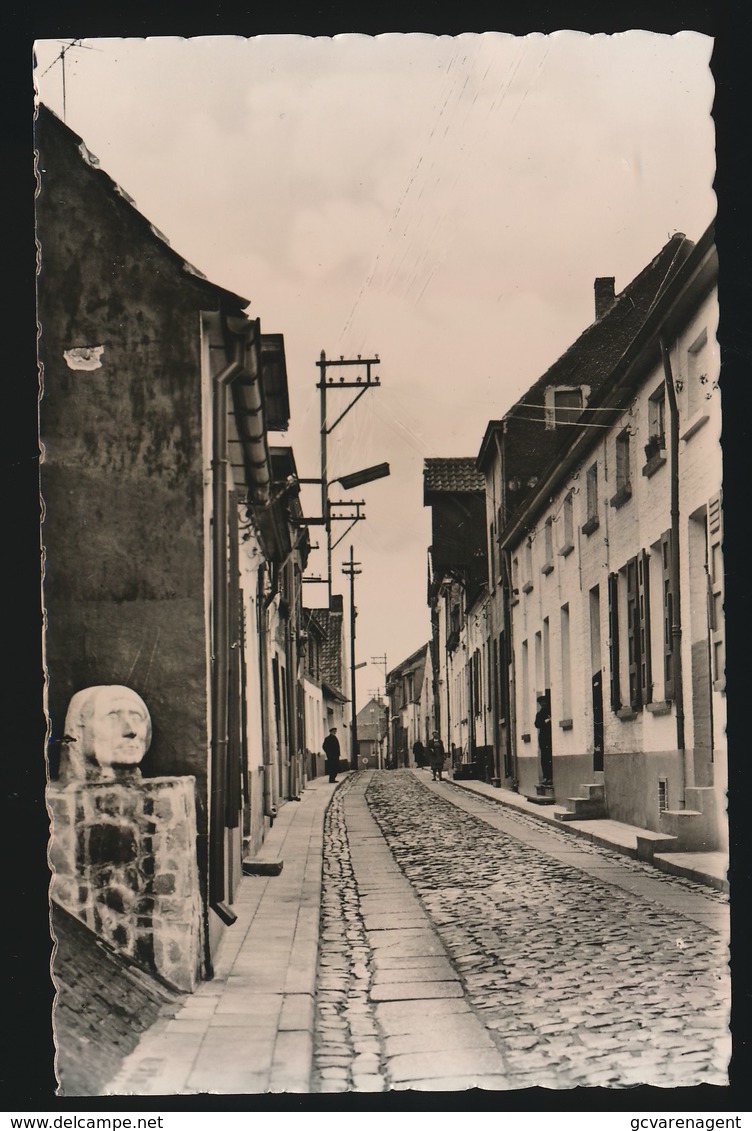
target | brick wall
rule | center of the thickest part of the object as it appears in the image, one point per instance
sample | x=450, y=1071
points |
x=124, y=860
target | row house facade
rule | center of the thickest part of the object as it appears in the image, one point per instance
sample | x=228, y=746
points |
x=462, y=628
x=617, y=582
x=605, y=691
x=327, y=705
x=373, y=732
x=174, y=541
x=409, y=687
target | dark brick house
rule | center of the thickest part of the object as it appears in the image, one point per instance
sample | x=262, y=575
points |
x=167, y=537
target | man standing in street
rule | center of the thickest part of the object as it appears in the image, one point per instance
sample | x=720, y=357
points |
x=331, y=750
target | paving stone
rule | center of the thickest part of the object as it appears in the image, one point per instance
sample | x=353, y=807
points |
x=405, y=991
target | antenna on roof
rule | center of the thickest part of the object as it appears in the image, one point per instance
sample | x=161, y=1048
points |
x=65, y=48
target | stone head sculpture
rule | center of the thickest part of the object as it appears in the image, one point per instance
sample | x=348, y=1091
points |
x=108, y=731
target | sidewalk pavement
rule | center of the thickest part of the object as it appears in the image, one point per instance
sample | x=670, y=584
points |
x=708, y=868
x=250, y=1029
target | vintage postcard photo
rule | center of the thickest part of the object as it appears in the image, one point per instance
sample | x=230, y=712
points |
x=383, y=542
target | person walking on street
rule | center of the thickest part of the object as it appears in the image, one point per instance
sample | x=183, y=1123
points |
x=436, y=756
x=331, y=750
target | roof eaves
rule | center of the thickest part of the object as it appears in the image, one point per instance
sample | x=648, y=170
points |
x=630, y=363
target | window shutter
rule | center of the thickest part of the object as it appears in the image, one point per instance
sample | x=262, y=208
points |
x=643, y=596
x=613, y=639
x=633, y=635
x=668, y=615
x=716, y=591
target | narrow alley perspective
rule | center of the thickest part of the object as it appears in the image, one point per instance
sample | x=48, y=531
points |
x=448, y=942
x=440, y=800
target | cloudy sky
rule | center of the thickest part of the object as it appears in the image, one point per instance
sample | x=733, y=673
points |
x=443, y=202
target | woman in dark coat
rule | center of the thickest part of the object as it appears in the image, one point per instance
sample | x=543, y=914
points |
x=436, y=756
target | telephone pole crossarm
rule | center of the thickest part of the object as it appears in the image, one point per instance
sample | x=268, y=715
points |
x=349, y=570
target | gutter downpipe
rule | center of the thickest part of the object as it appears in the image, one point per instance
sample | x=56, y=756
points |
x=264, y=601
x=220, y=576
x=506, y=594
x=241, y=329
x=676, y=626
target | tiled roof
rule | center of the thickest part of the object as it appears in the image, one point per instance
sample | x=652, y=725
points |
x=454, y=475
x=415, y=659
x=330, y=622
x=588, y=361
x=593, y=355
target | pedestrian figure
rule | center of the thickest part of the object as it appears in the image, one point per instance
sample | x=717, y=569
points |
x=418, y=753
x=543, y=725
x=331, y=750
x=436, y=756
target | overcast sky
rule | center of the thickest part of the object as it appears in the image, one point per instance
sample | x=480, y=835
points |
x=444, y=202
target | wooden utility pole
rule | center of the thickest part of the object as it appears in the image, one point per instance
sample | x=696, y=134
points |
x=328, y=383
x=349, y=570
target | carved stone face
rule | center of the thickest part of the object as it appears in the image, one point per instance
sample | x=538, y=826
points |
x=110, y=728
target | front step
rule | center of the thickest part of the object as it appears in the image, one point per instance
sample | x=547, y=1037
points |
x=649, y=843
x=544, y=795
x=688, y=828
x=591, y=807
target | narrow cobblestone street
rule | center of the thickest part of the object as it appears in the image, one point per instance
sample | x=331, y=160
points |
x=465, y=944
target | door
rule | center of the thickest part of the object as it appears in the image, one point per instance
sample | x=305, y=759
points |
x=596, y=677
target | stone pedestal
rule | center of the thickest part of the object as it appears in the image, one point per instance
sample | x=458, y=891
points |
x=123, y=855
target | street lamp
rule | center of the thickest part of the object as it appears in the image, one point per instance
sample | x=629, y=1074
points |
x=367, y=475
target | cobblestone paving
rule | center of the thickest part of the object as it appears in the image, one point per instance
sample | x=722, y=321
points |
x=580, y=982
x=348, y=1045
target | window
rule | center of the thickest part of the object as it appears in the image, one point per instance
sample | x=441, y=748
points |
x=528, y=583
x=613, y=639
x=563, y=406
x=656, y=426
x=548, y=546
x=643, y=602
x=698, y=358
x=662, y=795
x=524, y=700
x=568, y=520
x=635, y=622
x=623, y=472
x=499, y=527
x=477, y=685
x=566, y=670
x=591, y=500
x=633, y=635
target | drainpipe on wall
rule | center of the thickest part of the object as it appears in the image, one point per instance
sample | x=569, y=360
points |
x=509, y=673
x=220, y=633
x=676, y=626
x=263, y=636
x=239, y=329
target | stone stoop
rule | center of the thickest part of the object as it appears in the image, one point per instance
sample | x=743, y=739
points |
x=694, y=826
x=648, y=843
x=544, y=795
x=590, y=806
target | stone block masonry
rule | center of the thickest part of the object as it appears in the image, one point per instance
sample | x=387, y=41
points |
x=123, y=855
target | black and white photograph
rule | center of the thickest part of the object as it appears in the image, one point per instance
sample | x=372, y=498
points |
x=383, y=534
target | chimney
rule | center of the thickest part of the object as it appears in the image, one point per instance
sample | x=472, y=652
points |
x=604, y=295
x=335, y=603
